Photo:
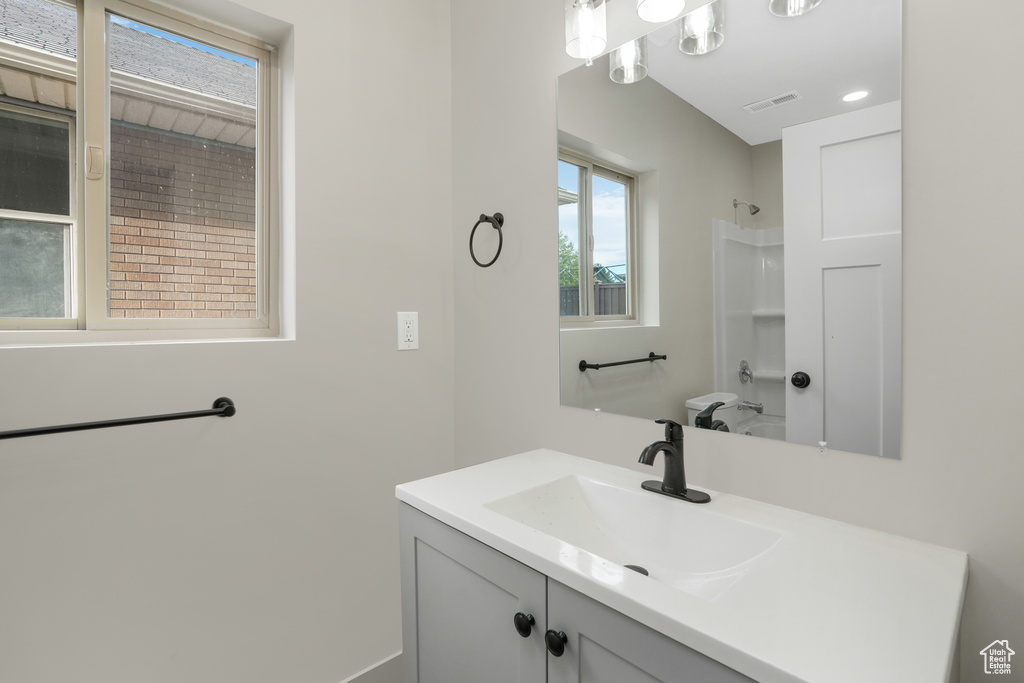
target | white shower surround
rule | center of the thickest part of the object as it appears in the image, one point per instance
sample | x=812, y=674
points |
x=749, y=315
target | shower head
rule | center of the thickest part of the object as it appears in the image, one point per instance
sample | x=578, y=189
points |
x=753, y=208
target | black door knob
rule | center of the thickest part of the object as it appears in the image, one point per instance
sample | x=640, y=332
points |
x=556, y=640
x=524, y=624
x=800, y=380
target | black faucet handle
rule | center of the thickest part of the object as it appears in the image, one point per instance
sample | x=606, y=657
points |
x=703, y=419
x=673, y=430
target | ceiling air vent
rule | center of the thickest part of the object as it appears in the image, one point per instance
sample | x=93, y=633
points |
x=772, y=102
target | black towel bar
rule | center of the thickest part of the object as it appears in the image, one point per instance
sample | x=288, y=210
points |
x=584, y=365
x=223, y=407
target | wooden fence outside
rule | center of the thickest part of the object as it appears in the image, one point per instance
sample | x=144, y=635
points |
x=609, y=299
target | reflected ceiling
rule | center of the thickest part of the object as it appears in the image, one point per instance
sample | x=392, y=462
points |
x=836, y=48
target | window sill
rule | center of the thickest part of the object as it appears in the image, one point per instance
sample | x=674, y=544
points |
x=12, y=339
x=590, y=324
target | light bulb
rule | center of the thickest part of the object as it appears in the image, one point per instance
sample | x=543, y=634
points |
x=791, y=8
x=702, y=29
x=657, y=11
x=628, y=63
x=585, y=29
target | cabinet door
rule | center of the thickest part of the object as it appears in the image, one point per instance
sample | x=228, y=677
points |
x=606, y=647
x=459, y=601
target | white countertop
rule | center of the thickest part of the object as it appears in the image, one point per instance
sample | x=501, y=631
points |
x=830, y=603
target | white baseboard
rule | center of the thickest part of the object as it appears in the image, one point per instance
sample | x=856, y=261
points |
x=385, y=671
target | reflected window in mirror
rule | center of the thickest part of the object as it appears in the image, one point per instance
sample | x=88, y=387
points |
x=596, y=238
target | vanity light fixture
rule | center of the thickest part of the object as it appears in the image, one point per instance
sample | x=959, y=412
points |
x=854, y=96
x=586, y=29
x=628, y=64
x=702, y=29
x=791, y=8
x=657, y=11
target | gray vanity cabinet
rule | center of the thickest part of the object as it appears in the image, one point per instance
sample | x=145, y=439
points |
x=606, y=647
x=460, y=599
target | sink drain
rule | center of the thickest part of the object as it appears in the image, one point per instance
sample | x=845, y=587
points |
x=638, y=569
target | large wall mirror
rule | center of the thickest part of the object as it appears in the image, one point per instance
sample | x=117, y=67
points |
x=742, y=219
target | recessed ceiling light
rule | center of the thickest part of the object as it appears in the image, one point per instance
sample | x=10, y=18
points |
x=854, y=96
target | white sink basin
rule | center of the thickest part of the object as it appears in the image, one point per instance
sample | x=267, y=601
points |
x=684, y=545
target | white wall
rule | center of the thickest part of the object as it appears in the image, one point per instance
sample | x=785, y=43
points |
x=260, y=548
x=958, y=483
x=767, y=159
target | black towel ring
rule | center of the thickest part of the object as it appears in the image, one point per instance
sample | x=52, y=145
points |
x=497, y=220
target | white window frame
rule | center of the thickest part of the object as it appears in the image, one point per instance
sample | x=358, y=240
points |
x=71, y=239
x=631, y=180
x=92, y=322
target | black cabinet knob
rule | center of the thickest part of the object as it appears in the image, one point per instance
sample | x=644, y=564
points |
x=556, y=640
x=800, y=380
x=524, y=624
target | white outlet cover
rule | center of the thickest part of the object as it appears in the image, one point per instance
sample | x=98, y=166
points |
x=408, y=331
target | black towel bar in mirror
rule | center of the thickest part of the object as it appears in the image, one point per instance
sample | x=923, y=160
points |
x=584, y=365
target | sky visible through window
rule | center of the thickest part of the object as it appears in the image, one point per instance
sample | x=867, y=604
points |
x=568, y=214
x=609, y=210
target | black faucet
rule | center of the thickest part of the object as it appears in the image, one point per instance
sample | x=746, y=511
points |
x=674, y=483
x=704, y=419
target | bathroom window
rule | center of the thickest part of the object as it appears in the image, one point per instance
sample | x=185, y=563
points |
x=596, y=242
x=36, y=214
x=141, y=201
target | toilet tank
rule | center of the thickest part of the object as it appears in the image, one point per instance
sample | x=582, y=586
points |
x=727, y=413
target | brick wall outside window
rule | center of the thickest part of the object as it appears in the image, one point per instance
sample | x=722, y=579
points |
x=182, y=226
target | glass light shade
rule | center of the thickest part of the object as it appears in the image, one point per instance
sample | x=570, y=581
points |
x=791, y=8
x=628, y=64
x=703, y=29
x=586, y=30
x=659, y=10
